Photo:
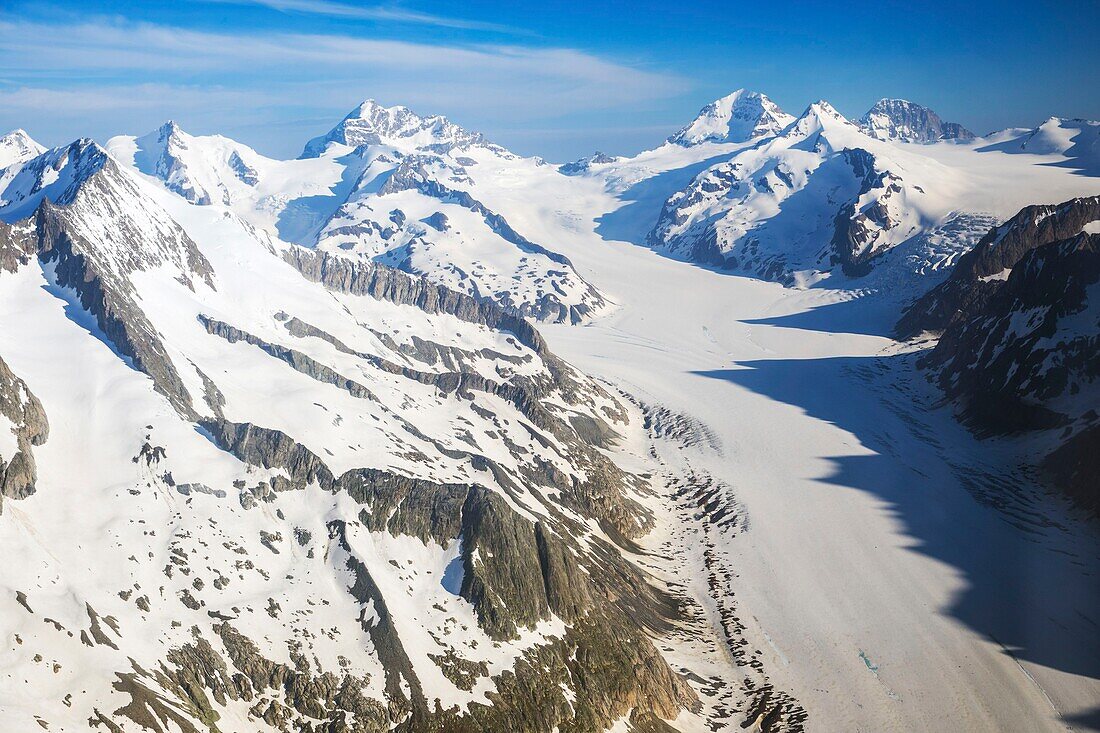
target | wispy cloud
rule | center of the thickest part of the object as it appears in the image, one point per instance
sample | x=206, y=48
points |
x=110, y=76
x=147, y=52
x=390, y=13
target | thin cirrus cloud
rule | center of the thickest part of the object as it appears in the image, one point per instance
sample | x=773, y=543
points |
x=104, y=77
x=369, y=12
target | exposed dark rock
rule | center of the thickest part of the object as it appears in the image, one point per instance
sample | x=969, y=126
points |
x=384, y=283
x=898, y=119
x=1021, y=351
x=22, y=409
x=295, y=359
x=854, y=231
x=108, y=297
x=974, y=279
x=1036, y=339
x=502, y=575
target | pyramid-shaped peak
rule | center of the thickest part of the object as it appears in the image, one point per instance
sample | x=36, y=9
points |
x=371, y=123
x=737, y=117
x=17, y=147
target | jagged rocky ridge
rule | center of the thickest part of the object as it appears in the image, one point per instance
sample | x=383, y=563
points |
x=26, y=420
x=982, y=271
x=900, y=119
x=1019, y=345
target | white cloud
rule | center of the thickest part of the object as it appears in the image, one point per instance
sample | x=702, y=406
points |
x=144, y=48
x=115, y=75
x=368, y=12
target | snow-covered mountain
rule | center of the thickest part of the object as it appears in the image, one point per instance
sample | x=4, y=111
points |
x=16, y=148
x=747, y=188
x=900, y=119
x=372, y=124
x=737, y=117
x=321, y=492
x=584, y=165
x=383, y=185
x=820, y=192
x=1073, y=143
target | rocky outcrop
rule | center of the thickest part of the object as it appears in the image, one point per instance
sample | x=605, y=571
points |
x=505, y=577
x=295, y=359
x=855, y=235
x=385, y=283
x=1035, y=339
x=584, y=165
x=17, y=246
x=201, y=680
x=109, y=298
x=1020, y=343
x=517, y=573
x=415, y=172
x=899, y=119
x=27, y=420
x=981, y=272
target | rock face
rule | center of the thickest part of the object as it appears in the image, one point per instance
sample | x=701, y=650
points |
x=859, y=228
x=981, y=272
x=26, y=419
x=899, y=119
x=1035, y=341
x=737, y=117
x=528, y=278
x=1019, y=346
x=584, y=165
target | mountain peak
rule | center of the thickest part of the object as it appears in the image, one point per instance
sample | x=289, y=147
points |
x=372, y=124
x=168, y=129
x=818, y=117
x=18, y=147
x=900, y=119
x=823, y=109
x=736, y=117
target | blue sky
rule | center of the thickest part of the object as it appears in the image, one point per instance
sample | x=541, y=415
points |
x=557, y=78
